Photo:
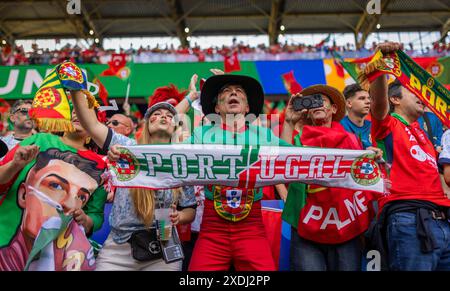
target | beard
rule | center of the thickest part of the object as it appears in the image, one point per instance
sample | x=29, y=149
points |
x=25, y=126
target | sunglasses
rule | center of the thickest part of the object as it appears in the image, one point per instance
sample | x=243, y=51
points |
x=23, y=111
x=114, y=123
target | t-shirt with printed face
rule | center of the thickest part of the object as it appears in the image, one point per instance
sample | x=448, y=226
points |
x=413, y=170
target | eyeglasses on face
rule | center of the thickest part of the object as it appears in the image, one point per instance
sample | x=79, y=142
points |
x=23, y=111
x=114, y=122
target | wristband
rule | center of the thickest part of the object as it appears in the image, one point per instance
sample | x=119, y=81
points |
x=189, y=100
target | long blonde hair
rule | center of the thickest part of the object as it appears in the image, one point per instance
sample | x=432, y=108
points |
x=144, y=199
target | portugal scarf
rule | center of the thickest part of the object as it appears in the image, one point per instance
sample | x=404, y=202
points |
x=176, y=165
x=413, y=77
x=51, y=109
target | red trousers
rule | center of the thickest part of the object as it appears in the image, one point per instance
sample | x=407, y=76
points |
x=223, y=243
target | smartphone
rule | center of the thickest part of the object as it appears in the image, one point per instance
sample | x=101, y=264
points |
x=172, y=250
x=307, y=102
x=173, y=253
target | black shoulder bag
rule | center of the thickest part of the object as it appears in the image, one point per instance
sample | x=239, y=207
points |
x=145, y=245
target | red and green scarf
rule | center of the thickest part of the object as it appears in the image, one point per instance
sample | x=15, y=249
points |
x=413, y=77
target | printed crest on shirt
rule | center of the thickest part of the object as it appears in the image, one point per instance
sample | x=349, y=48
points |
x=233, y=204
x=234, y=197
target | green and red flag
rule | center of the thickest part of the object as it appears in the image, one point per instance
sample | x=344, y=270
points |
x=413, y=77
x=52, y=250
x=323, y=41
x=339, y=69
x=102, y=92
x=436, y=67
x=280, y=107
x=353, y=67
x=134, y=110
x=268, y=106
x=443, y=75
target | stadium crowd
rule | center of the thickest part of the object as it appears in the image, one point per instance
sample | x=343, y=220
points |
x=16, y=55
x=408, y=225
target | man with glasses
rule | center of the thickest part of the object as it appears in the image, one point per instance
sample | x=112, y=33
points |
x=23, y=125
x=120, y=124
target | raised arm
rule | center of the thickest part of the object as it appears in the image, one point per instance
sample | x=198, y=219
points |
x=379, y=107
x=193, y=95
x=88, y=119
x=23, y=155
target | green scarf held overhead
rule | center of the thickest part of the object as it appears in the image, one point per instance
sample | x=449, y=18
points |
x=413, y=77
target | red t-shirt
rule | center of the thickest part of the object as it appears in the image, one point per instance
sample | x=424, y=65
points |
x=414, y=172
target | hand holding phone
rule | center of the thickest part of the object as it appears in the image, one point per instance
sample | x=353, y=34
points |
x=307, y=102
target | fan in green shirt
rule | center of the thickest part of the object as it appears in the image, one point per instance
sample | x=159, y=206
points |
x=229, y=125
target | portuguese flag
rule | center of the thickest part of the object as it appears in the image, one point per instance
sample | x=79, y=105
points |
x=353, y=67
x=134, y=110
x=413, y=77
x=102, y=92
x=436, y=67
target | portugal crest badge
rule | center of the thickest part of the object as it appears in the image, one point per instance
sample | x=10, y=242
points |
x=127, y=167
x=233, y=204
x=234, y=198
x=390, y=63
x=365, y=171
x=435, y=69
x=68, y=71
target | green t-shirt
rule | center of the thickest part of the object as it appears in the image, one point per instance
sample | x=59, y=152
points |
x=52, y=146
x=252, y=135
x=296, y=198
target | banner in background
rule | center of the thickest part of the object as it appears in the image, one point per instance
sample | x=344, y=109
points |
x=23, y=81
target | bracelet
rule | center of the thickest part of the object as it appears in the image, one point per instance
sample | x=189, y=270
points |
x=189, y=100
